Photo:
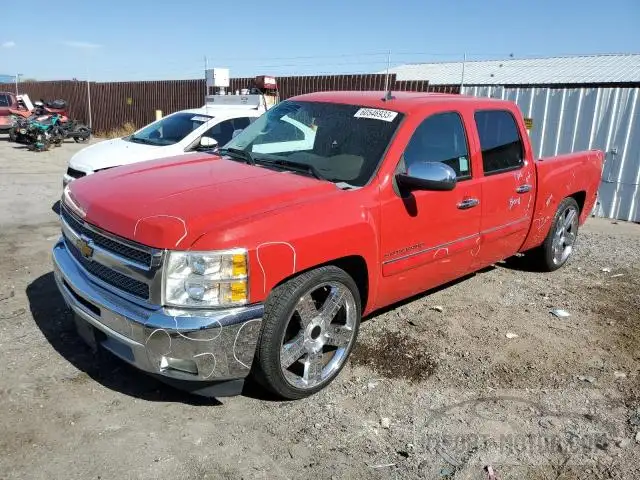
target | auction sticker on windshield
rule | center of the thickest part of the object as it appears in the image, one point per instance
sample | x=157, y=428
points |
x=198, y=118
x=377, y=114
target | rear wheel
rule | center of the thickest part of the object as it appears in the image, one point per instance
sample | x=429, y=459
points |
x=560, y=241
x=85, y=134
x=309, y=328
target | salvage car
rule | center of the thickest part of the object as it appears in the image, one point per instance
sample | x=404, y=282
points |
x=260, y=260
x=8, y=102
x=179, y=133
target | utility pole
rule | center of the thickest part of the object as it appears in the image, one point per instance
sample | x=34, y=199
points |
x=88, y=90
x=206, y=67
x=464, y=61
x=17, y=80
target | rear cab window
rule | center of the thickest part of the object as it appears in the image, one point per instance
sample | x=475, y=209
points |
x=5, y=100
x=500, y=141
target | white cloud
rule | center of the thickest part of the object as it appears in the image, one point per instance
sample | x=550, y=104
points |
x=8, y=44
x=84, y=45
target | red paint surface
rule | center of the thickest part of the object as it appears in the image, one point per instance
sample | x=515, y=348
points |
x=5, y=111
x=290, y=223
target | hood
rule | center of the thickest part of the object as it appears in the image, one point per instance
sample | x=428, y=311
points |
x=170, y=203
x=112, y=153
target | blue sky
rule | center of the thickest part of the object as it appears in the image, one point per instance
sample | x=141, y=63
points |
x=146, y=39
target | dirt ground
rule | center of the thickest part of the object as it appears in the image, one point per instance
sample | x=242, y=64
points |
x=427, y=393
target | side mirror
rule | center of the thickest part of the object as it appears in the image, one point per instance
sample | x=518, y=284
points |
x=236, y=132
x=207, y=143
x=427, y=176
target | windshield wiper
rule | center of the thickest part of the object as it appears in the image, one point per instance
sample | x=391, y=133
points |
x=144, y=141
x=298, y=166
x=237, y=153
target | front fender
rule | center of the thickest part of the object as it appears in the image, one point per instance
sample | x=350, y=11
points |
x=283, y=244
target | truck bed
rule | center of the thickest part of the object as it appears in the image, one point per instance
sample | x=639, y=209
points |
x=574, y=174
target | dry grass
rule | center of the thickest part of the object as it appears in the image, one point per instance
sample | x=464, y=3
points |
x=126, y=129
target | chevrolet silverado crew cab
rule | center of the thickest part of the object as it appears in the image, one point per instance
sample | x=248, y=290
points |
x=261, y=258
x=182, y=132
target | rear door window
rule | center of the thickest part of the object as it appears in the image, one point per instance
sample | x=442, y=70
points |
x=500, y=141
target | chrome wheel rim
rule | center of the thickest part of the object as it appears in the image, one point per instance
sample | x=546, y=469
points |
x=318, y=335
x=564, y=237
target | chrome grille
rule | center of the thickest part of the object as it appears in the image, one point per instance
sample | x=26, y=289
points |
x=118, y=280
x=120, y=264
x=118, y=248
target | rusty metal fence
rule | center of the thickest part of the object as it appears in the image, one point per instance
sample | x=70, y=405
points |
x=116, y=103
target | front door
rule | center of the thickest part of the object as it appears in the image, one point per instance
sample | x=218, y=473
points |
x=508, y=186
x=430, y=237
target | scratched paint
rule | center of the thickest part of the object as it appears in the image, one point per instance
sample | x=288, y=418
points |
x=476, y=249
x=202, y=363
x=266, y=245
x=441, y=253
x=513, y=201
x=215, y=331
x=184, y=225
x=165, y=342
x=547, y=202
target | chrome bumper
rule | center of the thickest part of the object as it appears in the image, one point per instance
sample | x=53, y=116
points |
x=202, y=345
x=66, y=180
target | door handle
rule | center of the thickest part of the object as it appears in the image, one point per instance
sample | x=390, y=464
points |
x=523, y=188
x=468, y=203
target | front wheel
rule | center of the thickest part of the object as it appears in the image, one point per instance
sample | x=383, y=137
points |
x=560, y=241
x=309, y=328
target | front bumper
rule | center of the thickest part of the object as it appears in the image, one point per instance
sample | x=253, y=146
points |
x=176, y=345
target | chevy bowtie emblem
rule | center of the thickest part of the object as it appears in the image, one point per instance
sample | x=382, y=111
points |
x=86, y=250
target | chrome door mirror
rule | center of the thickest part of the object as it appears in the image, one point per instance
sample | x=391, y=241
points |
x=427, y=176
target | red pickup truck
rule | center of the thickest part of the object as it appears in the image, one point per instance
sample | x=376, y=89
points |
x=263, y=257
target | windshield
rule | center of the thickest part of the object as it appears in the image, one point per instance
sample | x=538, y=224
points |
x=342, y=143
x=170, y=129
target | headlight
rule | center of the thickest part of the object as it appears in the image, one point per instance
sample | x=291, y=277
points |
x=206, y=279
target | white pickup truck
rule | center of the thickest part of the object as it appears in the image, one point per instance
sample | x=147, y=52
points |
x=183, y=132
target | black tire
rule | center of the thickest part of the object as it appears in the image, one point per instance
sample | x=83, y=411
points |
x=542, y=257
x=13, y=135
x=279, y=307
x=84, y=137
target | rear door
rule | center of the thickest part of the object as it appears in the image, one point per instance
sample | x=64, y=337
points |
x=508, y=186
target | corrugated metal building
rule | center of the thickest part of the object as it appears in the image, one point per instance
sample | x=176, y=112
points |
x=576, y=103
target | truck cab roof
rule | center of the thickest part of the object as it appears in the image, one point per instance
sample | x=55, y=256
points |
x=403, y=102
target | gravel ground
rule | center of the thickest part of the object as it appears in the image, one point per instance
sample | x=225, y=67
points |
x=475, y=374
